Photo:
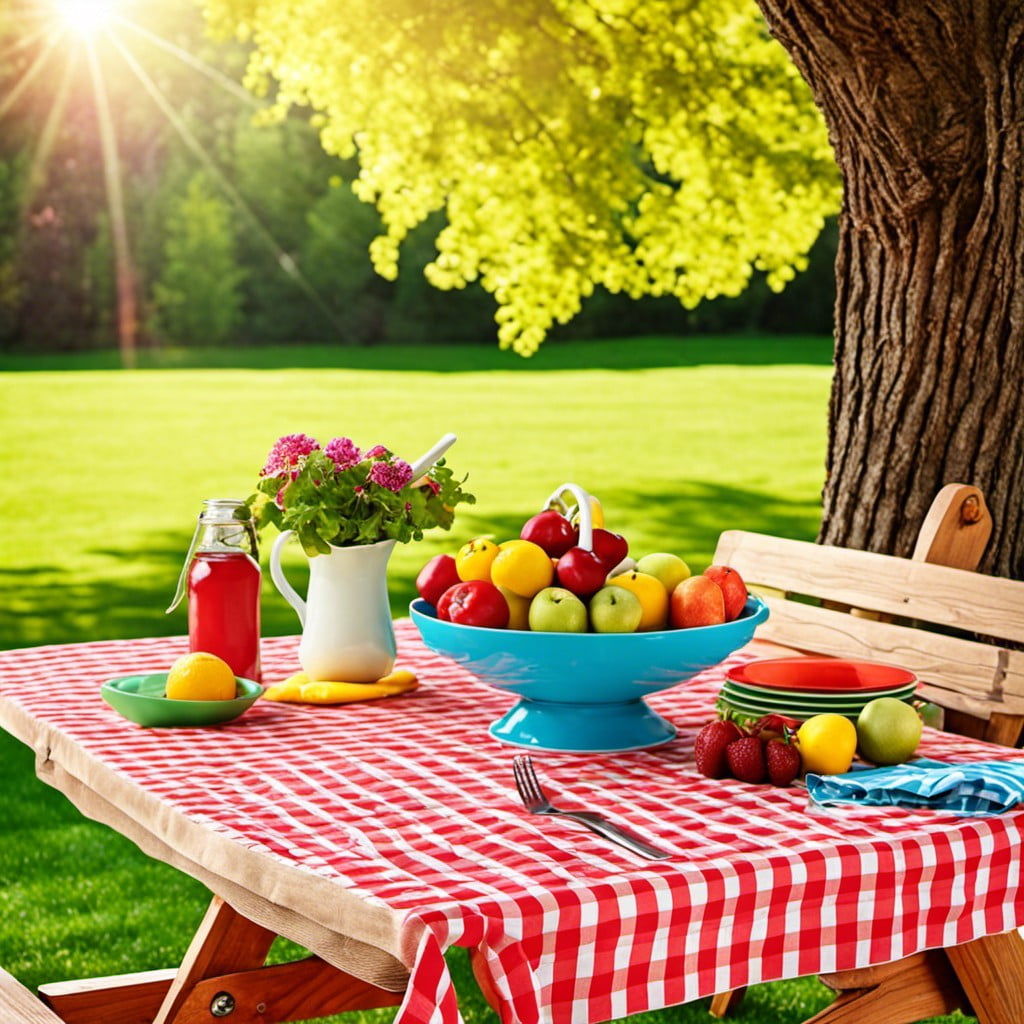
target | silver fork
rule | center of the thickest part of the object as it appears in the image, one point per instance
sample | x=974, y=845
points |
x=537, y=802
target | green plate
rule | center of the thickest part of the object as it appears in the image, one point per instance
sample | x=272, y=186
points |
x=141, y=699
x=779, y=699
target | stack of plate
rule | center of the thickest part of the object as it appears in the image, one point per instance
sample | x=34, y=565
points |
x=803, y=687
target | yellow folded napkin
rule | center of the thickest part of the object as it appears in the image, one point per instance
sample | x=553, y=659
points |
x=300, y=689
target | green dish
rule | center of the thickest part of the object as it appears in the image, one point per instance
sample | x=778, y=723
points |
x=141, y=699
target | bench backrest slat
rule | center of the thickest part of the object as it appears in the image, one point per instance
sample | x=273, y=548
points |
x=972, y=677
x=969, y=601
x=947, y=626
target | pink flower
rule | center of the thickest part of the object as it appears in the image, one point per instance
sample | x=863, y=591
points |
x=378, y=451
x=287, y=453
x=392, y=475
x=343, y=452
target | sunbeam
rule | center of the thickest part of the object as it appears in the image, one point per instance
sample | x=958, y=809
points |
x=124, y=273
x=228, y=84
x=48, y=135
x=73, y=32
x=284, y=260
x=34, y=68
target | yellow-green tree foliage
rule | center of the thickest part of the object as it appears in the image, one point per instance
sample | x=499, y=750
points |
x=647, y=146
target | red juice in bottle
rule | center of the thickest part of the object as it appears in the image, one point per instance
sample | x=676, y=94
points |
x=222, y=578
x=224, y=609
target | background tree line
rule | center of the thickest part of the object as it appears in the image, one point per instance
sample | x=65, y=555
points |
x=243, y=231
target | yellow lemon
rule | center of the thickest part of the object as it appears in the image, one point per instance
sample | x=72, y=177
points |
x=518, y=609
x=201, y=676
x=827, y=744
x=524, y=568
x=653, y=598
x=473, y=561
x=596, y=513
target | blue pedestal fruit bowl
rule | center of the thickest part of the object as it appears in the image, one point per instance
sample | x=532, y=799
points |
x=583, y=692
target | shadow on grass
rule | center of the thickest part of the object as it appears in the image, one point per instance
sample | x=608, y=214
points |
x=641, y=353
x=51, y=604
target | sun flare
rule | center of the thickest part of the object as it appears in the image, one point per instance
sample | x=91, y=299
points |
x=85, y=16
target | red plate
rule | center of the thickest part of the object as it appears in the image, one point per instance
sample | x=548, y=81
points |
x=825, y=675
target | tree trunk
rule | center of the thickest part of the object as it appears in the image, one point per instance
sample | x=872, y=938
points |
x=924, y=100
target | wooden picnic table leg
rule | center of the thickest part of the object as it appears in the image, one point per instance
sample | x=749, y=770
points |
x=902, y=992
x=991, y=971
x=223, y=969
x=225, y=942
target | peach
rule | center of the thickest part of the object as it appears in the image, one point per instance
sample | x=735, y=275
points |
x=697, y=601
x=734, y=590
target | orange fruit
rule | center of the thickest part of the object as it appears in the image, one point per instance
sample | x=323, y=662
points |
x=201, y=676
x=474, y=558
x=522, y=567
x=653, y=598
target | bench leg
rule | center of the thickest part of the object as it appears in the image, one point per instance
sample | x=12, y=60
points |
x=223, y=969
x=723, y=1003
x=902, y=992
x=991, y=971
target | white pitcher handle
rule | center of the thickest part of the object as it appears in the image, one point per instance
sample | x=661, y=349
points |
x=277, y=575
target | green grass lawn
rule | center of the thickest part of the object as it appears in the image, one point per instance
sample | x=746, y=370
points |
x=106, y=470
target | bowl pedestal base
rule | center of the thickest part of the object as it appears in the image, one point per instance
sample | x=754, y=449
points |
x=582, y=728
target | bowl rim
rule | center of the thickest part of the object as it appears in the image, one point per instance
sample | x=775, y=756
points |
x=251, y=690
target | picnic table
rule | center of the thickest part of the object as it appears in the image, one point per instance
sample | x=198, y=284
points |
x=378, y=835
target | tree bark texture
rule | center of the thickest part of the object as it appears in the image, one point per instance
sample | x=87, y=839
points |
x=924, y=101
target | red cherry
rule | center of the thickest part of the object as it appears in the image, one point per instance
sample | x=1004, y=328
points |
x=551, y=531
x=610, y=547
x=581, y=571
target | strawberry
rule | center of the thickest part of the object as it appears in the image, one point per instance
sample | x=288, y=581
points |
x=783, y=761
x=709, y=747
x=745, y=757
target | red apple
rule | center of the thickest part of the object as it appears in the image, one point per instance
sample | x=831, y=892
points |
x=551, y=531
x=436, y=577
x=581, y=571
x=697, y=601
x=474, y=603
x=733, y=588
x=610, y=547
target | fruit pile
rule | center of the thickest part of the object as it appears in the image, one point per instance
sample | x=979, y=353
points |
x=777, y=749
x=562, y=576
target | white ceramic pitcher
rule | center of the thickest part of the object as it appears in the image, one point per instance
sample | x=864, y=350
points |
x=347, y=632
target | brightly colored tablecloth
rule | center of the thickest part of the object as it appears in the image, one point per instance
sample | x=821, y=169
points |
x=406, y=808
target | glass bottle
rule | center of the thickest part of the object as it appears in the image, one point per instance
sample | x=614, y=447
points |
x=222, y=578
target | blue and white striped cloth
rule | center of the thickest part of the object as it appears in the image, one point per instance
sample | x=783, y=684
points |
x=973, y=788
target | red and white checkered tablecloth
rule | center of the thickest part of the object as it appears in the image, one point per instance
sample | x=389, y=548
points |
x=410, y=804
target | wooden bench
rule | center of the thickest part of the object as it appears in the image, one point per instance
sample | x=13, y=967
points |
x=19, y=1006
x=961, y=633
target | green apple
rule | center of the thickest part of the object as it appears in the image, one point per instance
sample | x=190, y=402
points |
x=888, y=731
x=615, y=610
x=557, y=610
x=665, y=566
